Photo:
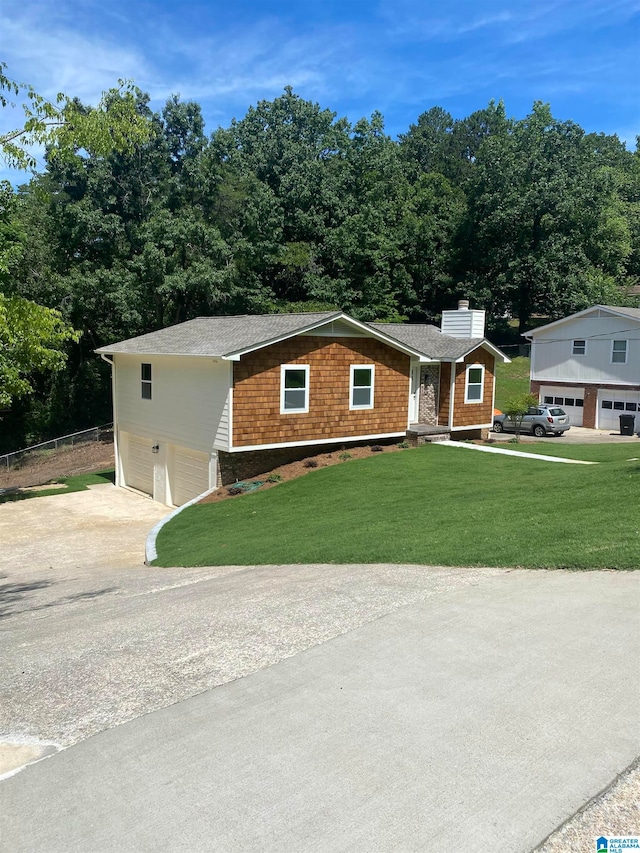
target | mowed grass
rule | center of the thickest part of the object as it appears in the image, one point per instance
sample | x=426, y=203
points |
x=431, y=505
x=63, y=486
x=512, y=380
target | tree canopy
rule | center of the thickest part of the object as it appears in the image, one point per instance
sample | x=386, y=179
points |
x=292, y=207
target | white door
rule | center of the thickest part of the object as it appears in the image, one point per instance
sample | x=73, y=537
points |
x=189, y=475
x=414, y=397
x=570, y=399
x=612, y=404
x=138, y=464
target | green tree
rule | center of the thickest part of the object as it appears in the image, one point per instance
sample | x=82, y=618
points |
x=517, y=407
x=31, y=339
x=68, y=125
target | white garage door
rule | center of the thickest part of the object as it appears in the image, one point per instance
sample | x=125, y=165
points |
x=571, y=400
x=612, y=404
x=189, y=475
x=138, y=464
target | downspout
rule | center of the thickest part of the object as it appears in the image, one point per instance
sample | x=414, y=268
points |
x=116, y=443
x=452, y=388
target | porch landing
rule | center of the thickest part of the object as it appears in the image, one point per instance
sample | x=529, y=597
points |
x=423, y=433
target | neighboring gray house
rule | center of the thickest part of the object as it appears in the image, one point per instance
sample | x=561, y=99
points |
x=589, y=363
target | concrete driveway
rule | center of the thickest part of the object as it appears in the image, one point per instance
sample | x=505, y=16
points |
x=383, y=708
x=87, y=532
x=575, y=435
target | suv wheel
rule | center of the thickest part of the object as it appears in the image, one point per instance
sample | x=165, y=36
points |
x=539, y=431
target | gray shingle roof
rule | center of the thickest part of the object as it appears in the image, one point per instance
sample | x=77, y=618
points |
x=219, y=337
x=428, y=340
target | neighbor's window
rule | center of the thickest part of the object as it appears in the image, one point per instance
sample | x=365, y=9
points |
x=619, y=352
x=361, y=390
x=146, y=381
x=475, y=384
x=294, y=388
x=579, y=347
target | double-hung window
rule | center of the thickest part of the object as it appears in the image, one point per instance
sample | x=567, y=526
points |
x=618, y=352
x=361, y=386
x=579, y=347
x=294, y=389
x=474, y=387
x=145, y=376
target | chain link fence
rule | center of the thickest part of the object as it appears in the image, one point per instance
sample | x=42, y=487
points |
x=100, y=433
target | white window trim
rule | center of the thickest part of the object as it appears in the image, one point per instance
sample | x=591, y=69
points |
x=305, y=409
x=353, y=369
x=144, y=383
x=573, y=348
x=481, y=383
x=626, y=350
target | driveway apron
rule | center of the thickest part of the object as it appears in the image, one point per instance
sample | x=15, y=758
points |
x=478, y=719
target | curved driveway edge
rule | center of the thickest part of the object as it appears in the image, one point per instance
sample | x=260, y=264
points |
x=150, y=551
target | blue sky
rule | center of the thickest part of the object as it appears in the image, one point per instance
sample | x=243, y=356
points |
x=397, y=56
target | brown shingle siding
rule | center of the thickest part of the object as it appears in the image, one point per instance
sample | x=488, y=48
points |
x=256, y=394
x=472, y=414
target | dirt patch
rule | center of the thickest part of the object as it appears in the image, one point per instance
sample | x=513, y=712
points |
x=298, y=469
x=43, y=466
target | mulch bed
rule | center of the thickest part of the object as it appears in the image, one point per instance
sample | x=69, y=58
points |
x=298, y=469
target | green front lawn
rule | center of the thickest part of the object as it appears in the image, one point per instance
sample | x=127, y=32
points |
x=512, y=380
x=63, y=486
x=432, y=505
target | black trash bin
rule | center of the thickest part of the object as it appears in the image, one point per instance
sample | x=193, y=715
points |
x=626, y=424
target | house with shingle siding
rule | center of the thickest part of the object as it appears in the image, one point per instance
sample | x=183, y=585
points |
x=216, y=399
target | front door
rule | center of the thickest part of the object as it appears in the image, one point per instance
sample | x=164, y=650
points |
x=414, y=399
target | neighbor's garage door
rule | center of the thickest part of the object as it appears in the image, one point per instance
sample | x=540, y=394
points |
x=189, y=475
x=138, y=464
x=612, y=404
x=571, y=400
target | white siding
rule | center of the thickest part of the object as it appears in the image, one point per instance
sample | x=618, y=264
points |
x=552, y=358
x=466, y=323
x=189, y=403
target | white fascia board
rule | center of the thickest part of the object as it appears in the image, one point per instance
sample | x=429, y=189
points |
x=484, y=345
x=103, y=351
x=607, y=308
x=362, y=327
x=472, y=426
x=319, y=442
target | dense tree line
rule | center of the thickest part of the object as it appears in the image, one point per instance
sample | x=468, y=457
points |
x=292, y=208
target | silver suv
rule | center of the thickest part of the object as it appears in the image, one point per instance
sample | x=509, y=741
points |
x=539, y=420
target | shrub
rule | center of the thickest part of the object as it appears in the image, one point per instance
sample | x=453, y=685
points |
x=344, y=456
x=310, y=463
x=234, y=490
x=404, y=445
x=274, y=478
x=376, y=448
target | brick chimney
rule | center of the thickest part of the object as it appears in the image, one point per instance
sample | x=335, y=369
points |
x=463, y=323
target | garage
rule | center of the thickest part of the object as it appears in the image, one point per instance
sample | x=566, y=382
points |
x=188, y=474
x=138, y=463
x=570, y=399
x=613, y=403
